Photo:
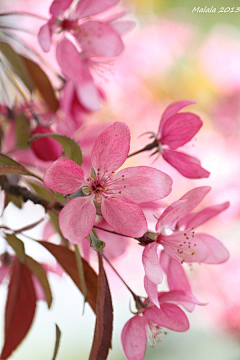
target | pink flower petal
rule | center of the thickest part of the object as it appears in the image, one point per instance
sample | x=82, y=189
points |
x=59, y=6
x=64, y=176
x=171, y=110
x=44, y=37
x=46, y=149
x=87, y=8
x=169, y=316
x=77, y=218
x=111, y=148
x=151, y=290
x=195, y=219
x=142, y=184
x=122, y=27
x=180, y=129
x=99, y=39
x=4, y=270
x=178, y=297
x=71, y=64
x=217, y=253
x=125, y=218
x=184, y=247
x=134, y=338
x=150, y=259
x=88, y=95
x=188, y=166
x=179, y=209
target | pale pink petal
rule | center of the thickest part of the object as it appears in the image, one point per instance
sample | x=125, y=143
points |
x=59, y=6
x=217, y=253
x=134, y=338
x=170, y=216
x=99, y=39
x=88, y=95
x=64, y=176
x=71, y=64
x=151, y=290
x=122, y=27
x=178, y=297
x=188, y=166
x=125, y=218
x=150, y=259
x=77, y=218
x=171, y=110
x=195, y=219
x=87, y=8
x=38, y=289
x=141, y=184
x=180, y=129
x=4, y=270
x=48, y=230
x=184, y=247
x=44, y=37
x=85, y=249
x=169, y=316
x=111, y=148
x=116, y=245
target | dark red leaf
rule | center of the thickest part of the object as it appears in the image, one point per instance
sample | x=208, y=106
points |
x=20, y=308
x=104, y=318
x=66, y=258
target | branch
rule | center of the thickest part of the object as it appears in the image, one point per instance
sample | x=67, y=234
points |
x=26, y=195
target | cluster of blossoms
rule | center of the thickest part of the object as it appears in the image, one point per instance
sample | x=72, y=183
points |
x=90, y=198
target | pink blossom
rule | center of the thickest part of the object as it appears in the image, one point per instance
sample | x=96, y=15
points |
x=116, y=198
x=182, y=243
x=96, y=38
x=46, y=149
x=148, y=323
x=175, y=130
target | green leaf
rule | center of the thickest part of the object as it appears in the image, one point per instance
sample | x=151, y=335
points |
x=17, y=201
x=41, y=190
x=71, y=149
x=17, y=245
x=17, y=65
x=57, y=342
x=22, y=131
x=10, y=166
x=40, y=273
x=95, y=243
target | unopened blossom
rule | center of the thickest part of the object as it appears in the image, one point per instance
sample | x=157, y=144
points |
x=115, y=197
x=46, y=148
x=176, y=234
x=148, y=324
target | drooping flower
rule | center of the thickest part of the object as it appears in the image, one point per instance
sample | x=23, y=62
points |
x=148, y=322
x=176, y=234
x=115, y=197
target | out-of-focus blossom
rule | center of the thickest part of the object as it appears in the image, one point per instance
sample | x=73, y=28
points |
x=117, y=197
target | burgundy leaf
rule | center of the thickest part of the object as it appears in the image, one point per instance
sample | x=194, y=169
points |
x=104, y=318
x=66, y=258
x=20, y=308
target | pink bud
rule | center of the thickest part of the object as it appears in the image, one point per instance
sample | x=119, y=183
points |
x=46, y=149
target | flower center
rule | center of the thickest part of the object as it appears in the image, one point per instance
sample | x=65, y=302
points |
x=154, y=332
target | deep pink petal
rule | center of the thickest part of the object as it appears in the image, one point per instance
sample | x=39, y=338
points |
x=59, y=6
x=188, y=166
x=179, y=209
x=64, y=176
x=99, y=39
x=141, y=184
x=195, y=219
x=184, y=246
x=111, y=148
x=125, y=218
x=169, y=316
x=71, y=64
x=171, y=110
x=46, y=149
x=134, y=338
x=44, y=37
x=151, y=290
x=150, y=259
x=77, y=218
x=87, y=8
x=180, y=129
x=217, y=253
